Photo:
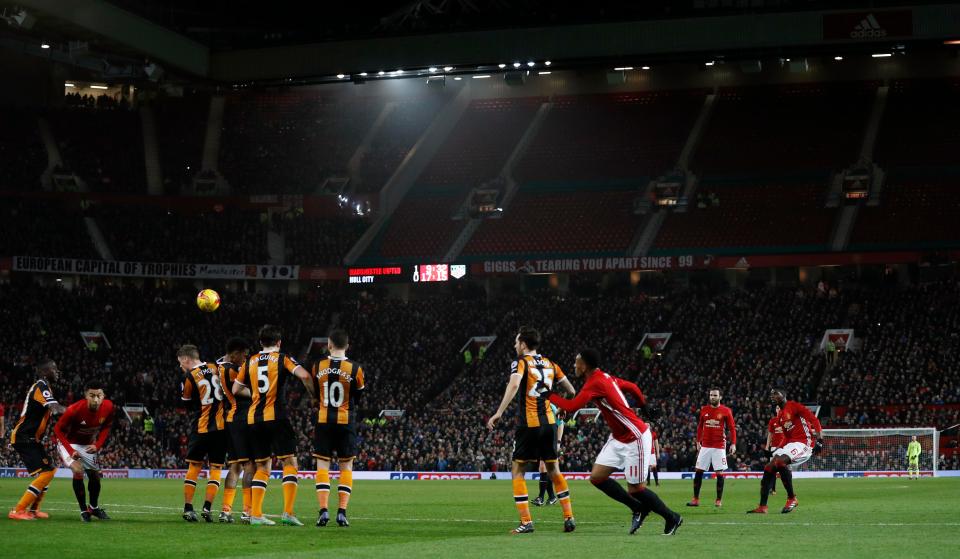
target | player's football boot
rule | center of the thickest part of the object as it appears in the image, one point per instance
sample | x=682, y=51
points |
x=323, y=518
x=553, y=500
x=290, y=520
x=637, y=521
x=695, y=502
x=761, y=509
x=39, y=514
x=20, y=515
x=85, y=516
x=98, y=513
x=538, y=502
x=207, y=517
x=569, y=525
x=790, y=505
x=261, y=521
x=672, y=525
x=190, y=516
x=718, y=503
x=244, y=517
x=523, y=528
x=226, y=517
x=342, y=519
x=773, y=491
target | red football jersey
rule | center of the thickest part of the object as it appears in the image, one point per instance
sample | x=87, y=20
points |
x=710, y=427
x=79, y=425
x=607, y=393
x=798, y=423
x=777, y=438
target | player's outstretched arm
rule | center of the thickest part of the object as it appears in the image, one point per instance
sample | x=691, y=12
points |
x=576, y=403
x=508, y=395
x=240, y=389
x=59, y=433
x=567, y=387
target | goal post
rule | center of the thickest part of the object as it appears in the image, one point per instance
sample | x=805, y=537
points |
x=874, y=450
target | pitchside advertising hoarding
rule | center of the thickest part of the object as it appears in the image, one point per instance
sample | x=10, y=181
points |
x=132, y=473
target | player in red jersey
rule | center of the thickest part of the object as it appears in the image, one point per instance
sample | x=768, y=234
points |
x=654, y=453
x=800, y=429
x=712, y=444
x=627, y=447
x=775, y=440
x=81, y=433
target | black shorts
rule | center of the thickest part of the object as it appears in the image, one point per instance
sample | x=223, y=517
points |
x=34, y=457
x=331, y=437
x=533, y=444
x=271, y=438
x=238, y=437
x=212, y=446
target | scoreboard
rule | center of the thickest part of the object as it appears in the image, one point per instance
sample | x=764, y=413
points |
x=411, y=273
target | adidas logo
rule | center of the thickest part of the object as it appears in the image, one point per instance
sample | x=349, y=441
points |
x=83, y=422
x=742, y=263
x=868, y=28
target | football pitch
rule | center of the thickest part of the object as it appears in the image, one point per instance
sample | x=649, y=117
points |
x=461, y=519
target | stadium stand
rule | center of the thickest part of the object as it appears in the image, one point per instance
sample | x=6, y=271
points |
x=103, y=145
x=22, y=156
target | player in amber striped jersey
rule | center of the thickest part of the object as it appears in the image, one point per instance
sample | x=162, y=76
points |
x=27, y=439
x=338, y=382
x=262, y=378
x=208, y=438
x=238, y=455
x=531, y=378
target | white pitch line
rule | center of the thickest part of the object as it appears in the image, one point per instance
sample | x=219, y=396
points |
x=507, y=521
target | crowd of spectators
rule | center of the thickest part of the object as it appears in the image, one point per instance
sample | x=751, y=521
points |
x=22, y=156
x=741, y=341
x=32, y=227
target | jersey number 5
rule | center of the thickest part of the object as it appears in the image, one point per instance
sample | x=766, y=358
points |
x=263, y=378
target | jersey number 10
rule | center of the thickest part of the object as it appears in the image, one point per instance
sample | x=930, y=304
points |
x=333, y=394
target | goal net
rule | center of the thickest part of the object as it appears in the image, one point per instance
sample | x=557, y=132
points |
x=874, y=450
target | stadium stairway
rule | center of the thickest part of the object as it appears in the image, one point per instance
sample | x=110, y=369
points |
x=471, y=225
x=410, y=168
x=54, y=159
x=211, y=138
x=356, y=160
x=151, y=151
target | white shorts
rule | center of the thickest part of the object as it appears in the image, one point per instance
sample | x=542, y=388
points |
x=798, y=453
x=716, y=457
x=630, y=457
x=87, y=460
x=652, y=460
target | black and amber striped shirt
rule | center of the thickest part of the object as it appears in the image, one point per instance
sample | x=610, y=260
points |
x=201, y=386
x=236, y=406
x=265, y=374
x=337, y=382
x=537, y=375
x=35, y=414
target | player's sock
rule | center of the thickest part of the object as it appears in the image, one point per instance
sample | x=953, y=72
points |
x=653, y=503
x=259, y=490
x=769, y=474
x=289, y=488
x=544, y=483
x=697, y=483
x=80, y=491
x=521, y=499
x=656, y=477
x=719, y=487
x=229, y=494
x=190, y=485
x=213, y=485
x=786, y=478
x=345, y=487
x=323, y=488
x=34, y=490
x=649, y=473
x=551, y=493
x=93, y=485
x=563, y=493
x=616, y=492
x=247, y=499
x=36, y=504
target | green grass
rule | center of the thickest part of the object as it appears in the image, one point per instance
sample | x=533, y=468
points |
x=462, y=519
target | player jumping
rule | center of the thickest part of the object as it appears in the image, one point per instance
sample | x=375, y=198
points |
x=338, y=383
x=627, y=447
x=531, y=377
x=27, y=439
x=800, y=428
x=81, y=433
x=712, y=445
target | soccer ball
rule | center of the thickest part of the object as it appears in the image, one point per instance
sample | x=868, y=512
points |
x=208, y=300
